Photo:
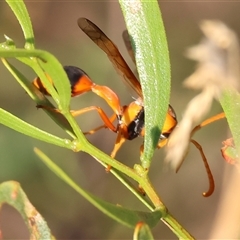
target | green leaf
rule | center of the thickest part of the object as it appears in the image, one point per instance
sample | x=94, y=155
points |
x=39, y=98
x=12, y=194
x=19, y=125
x=122, y=215
x=145, y=26
x=230, y=101
x=42, y=61
x=56, y=72
x=20, y=11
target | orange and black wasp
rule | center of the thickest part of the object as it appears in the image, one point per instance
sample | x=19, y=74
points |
x=130, y=118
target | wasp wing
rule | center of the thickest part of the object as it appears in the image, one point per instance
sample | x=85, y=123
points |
x=98, y=37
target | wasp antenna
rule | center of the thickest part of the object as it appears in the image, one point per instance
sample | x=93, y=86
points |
x=208, y=170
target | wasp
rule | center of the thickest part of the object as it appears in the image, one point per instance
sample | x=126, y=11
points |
x=130, y=118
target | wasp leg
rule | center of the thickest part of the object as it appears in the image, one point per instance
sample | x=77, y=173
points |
x=208, y=170
x=160, y=144
x=119, y=142
x=208, y=121
x=48, y=108
x=112, y=119
x=107, y=121
x=121, y=138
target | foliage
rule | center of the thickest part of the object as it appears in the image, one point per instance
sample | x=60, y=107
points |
x=155, y=82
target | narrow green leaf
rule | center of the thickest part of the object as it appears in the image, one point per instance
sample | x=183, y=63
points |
x=61, y=82
x=12, y=194
x=21, y=13
x=39, y=98
x=122, y=215
x=19, y=125
x=145, y=26
x=38, y=59
x=230, y=101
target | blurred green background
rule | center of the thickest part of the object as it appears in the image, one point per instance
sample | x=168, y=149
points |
x=68, y=215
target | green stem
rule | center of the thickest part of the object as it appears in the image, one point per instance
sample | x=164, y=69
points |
x=143, y=181
x=129, y=186
x=176, y=228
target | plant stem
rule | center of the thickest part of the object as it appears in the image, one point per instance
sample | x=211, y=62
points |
x=176, y=228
